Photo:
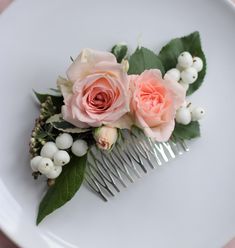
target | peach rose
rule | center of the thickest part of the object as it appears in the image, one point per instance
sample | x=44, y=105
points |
x=154, y=103
x=97, y=90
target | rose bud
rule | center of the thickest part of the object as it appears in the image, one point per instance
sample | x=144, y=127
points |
x=105, y=137
x=125, y=65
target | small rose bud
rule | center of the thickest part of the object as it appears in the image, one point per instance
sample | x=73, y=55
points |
x=125, y=65
x=105, y=137
x=119, y=51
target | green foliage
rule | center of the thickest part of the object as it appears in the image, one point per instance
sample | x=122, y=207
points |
x=144, y=59
x=187, y=132
x=120, y=52
x=191, y=43
x=57, y=100
x=60, y=124
x=66, y=185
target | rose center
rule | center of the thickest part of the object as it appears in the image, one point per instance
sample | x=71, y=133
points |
x=99, y=100
x=152, y=100
x=100, y=97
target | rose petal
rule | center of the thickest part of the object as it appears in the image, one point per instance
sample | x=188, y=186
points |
x=125, y=122
x=85, y=62
x=65, y=86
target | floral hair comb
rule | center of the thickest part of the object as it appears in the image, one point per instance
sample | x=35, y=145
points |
x=115, y=116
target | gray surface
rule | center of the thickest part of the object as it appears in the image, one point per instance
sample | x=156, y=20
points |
x=187, y=204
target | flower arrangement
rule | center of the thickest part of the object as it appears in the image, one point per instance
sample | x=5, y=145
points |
x=105, y=93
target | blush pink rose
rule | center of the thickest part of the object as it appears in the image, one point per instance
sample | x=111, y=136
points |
x=154, y=103
x=97, y=90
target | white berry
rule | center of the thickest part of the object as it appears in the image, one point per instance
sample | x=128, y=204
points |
x=35, y=162
x=185, y=60
x=54, y=173
x=48, y=150
x=180, y=68
x=184, y=85
x=45, y=165
x=64, y=141
x=173, y=74
x=197, y=113
x=79, y=147
x=183, y=116
x=197, y=63
x=189, y=75
x=61, y=158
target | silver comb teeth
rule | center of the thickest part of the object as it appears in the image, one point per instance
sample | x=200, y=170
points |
x=133, y=155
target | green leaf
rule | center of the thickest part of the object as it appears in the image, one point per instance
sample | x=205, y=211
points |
x=57, y=100
x=144, y=59
x=119, y=51
x=190, y=131
x=66, y=185
x=172, y=50
x=57, y=91
x=60, y=124
x=41, y=135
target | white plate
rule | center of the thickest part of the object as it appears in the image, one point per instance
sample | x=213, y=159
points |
x=188, y=203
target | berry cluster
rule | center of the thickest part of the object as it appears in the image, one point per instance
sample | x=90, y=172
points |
x=187, y=113
x=186, y=71
x=55, y=155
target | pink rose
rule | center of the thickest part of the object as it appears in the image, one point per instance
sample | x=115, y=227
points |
x=97, y=90
x=154, y=103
